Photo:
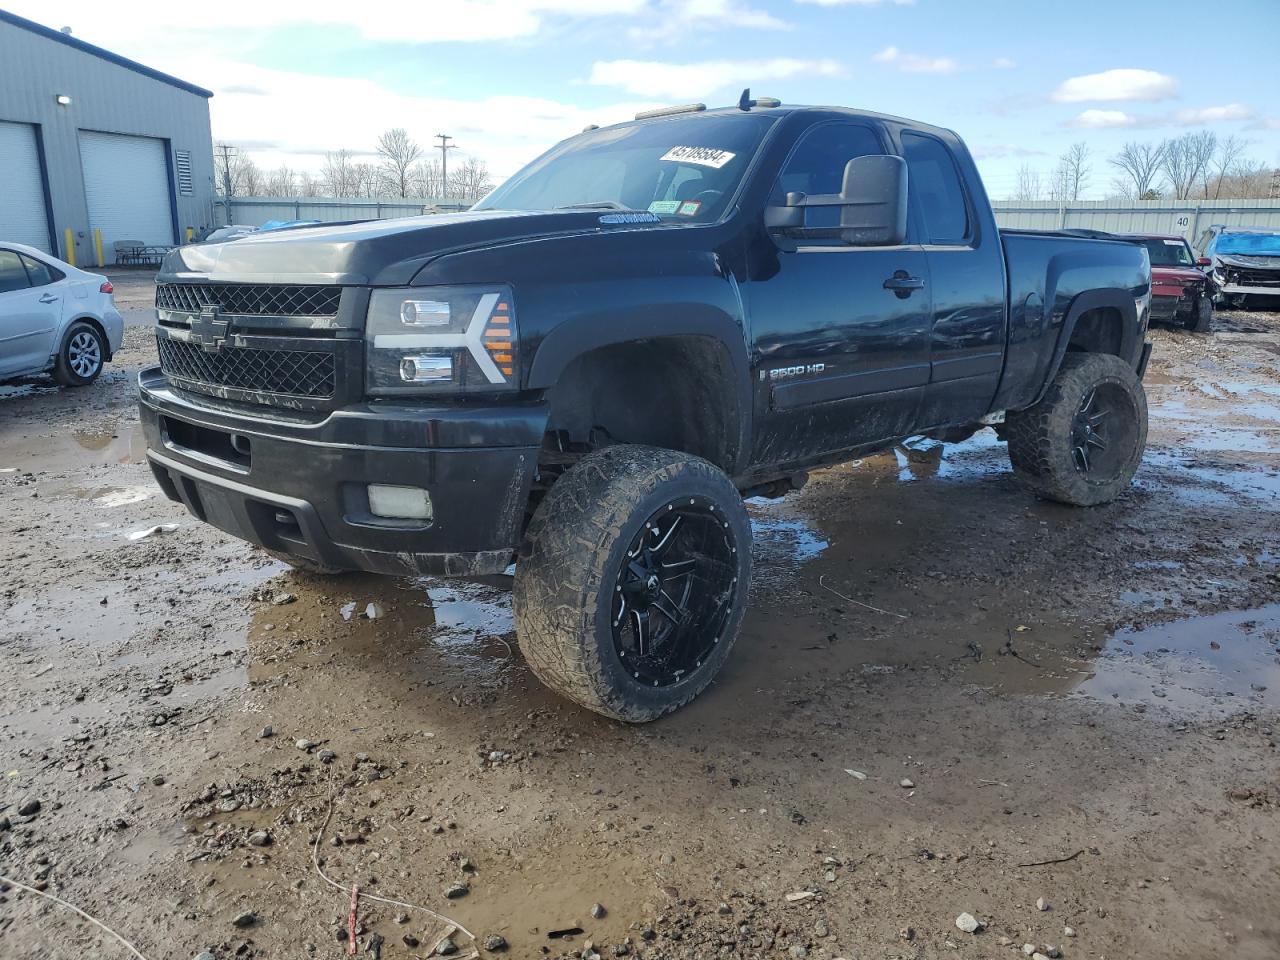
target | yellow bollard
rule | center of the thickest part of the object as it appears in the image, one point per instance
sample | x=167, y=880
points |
x=97, y=246
x=191, y=233
x=71, y=247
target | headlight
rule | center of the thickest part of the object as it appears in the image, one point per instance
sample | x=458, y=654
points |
x=454, y=340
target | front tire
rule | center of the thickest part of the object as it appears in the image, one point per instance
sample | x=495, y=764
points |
x=1083, y=441
x=1201, y=314
x=635, y=581
x=83, y=353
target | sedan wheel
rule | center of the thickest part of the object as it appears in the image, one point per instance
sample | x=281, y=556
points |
x=82, y=356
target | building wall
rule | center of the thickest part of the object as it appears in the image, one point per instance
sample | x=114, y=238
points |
x=106, y=97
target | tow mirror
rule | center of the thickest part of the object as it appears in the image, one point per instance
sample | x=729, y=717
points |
x=872, y=203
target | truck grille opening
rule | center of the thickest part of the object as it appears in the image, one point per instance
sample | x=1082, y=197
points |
x=298, y=373
x=250, y=299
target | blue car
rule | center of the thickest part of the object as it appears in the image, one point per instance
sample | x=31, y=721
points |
x=1240, y=262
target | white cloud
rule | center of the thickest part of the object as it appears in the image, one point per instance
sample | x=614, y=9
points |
x=1117, y=85
x=675, y=19
x=1003, y=63
x=1103, y=120
x=677, y=80
x=914, y=63
x=1230, y=111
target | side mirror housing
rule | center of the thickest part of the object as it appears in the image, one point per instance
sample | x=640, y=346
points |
x=1204, y=262
x=872, y=203
x=874, y=212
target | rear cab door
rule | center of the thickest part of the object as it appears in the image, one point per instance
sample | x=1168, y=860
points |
x=950, y=217
x=30, y=312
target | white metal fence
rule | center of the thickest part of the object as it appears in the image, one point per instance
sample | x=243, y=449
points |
x=255, y=211
x=1186, y=217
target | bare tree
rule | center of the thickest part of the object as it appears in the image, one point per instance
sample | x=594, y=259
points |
x=281, y=182
x=236, y=172
x=1179, y=164
x=399, y=153
x=469, y=180
x=424, y=181
x=1203, y=146
x=368, y=180
x=1140, y=163
x=1028, y=186
x=308, y=186
x=250, y=181
x=338, y=174
x=1076, y=169
x=1225, y=160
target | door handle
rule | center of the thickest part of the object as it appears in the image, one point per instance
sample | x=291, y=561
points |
x=902, y=284
x=48, y=298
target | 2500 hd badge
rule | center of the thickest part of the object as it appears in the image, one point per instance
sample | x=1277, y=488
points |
x=586, y=374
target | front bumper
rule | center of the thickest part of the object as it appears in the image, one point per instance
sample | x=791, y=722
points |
x=297, y=482
x=1233, y=289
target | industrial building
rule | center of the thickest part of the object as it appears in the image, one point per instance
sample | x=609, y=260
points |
x=96, y=148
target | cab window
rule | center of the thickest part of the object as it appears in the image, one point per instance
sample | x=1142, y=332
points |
x=816, y=165
x=13, y=276
x=933, y=183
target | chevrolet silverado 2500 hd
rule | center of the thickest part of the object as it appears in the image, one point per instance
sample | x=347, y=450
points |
x=588, y=372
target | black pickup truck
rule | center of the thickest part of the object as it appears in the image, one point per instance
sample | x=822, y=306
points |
x=588, y=372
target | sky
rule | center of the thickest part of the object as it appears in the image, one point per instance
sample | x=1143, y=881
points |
x=1020, y=80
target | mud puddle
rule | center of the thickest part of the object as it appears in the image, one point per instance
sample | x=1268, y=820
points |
x=116, y=443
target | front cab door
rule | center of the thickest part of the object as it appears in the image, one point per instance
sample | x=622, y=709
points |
x=30, y=312
x=840, y=333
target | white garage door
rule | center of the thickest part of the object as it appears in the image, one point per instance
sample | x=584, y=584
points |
x=126, y=184
x=22, y=212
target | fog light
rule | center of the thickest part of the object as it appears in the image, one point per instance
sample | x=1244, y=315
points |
x=399, y=503
x=426, y=369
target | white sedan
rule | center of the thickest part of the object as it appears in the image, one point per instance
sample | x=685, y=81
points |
x=54, y=318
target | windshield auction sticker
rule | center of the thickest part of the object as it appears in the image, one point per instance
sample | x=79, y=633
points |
x=702, y=156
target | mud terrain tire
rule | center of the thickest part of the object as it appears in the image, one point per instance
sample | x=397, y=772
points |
x=306, y=565
x=1201, y=314
x=569, y=581
x=1045, y=440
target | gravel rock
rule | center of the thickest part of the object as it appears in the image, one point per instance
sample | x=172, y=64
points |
x=327, y=756
x=1068, y=931
x=457, y=890
x=906, y=783
x=446, y=948
x=260, y=838
x=265, y=732
x=29, y=808
x=246, y=919
x=495, y=942
x=304, y=744
x=205, y=956
x=1042, y=904
x=280, y=599
x=968, y=923
x=597, y=911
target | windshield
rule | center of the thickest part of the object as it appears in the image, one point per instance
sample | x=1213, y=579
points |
x=1265, y=244
x=682, y=168
x=1169, y=253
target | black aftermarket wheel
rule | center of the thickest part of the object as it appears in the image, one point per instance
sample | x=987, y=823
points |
x=635, y=582
x=1082, y=443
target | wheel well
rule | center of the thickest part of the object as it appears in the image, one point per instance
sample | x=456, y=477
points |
x=1099, y=330
x=97, y=325
x=673, y=392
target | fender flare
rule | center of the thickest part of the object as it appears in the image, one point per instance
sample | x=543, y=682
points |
x=1101, y=298
x=585, y=333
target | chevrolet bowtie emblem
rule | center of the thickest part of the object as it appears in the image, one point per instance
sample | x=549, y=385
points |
x=209, y=330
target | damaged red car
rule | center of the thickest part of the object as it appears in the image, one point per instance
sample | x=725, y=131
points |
x=1179, y=289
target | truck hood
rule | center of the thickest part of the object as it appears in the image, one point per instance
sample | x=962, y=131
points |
x=379, y=252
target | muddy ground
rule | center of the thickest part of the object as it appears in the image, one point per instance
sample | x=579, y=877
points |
x=948, y=698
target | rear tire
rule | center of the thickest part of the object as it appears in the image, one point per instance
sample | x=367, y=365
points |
x=1083, y=441
x=635, y=581
x=306, y=565
x=1201, y=315
x=83, y=352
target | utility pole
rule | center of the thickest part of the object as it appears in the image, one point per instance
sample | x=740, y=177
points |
x=445, y=146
